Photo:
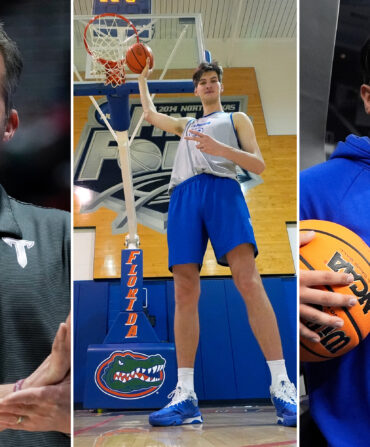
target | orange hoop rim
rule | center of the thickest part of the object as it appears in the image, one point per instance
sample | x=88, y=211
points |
x=107, y=14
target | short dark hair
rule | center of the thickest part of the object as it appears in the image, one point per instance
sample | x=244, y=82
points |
x=13, y=68
x=365, y=62
x=203, y=68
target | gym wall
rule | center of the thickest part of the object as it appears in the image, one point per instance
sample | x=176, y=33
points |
x=271, y=204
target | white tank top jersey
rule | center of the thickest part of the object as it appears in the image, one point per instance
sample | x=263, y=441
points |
x=190, y=161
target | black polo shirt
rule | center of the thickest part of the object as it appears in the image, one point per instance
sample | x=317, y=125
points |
x=34, y=297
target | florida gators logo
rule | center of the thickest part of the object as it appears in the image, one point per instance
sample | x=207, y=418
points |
x=130, y=375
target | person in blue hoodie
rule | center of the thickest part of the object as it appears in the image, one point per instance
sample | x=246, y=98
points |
x=338, y=191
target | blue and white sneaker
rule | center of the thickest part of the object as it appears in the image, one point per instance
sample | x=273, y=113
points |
x=284, y=398
x=183, y=409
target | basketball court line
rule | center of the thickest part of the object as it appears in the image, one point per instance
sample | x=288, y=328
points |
x=272, y=444
x=234, y=426
x=99, y=424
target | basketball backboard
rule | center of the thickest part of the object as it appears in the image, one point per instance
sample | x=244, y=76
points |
x=177, y=39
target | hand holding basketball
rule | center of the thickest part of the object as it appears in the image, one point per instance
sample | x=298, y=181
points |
x=147, y=70
x=137, y=57
x=309, y=295
x=334, y=282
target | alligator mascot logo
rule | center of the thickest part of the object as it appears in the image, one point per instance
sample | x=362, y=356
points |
x=130, y=375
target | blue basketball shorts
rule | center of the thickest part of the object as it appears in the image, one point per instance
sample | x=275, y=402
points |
x=207, y=207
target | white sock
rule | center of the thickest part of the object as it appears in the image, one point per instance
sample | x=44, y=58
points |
x=278, y=371
x=186, y=379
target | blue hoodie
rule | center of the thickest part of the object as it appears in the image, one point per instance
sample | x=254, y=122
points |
x=339, y=389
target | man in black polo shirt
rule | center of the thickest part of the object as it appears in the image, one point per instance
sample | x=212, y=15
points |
x=34, y=300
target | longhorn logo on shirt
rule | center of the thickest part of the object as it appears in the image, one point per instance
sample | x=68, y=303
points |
x=130, y=375
x=152, y=152
x=20, y=249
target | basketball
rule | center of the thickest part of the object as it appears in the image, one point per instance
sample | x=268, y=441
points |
x=336, y=248
x=136, y=57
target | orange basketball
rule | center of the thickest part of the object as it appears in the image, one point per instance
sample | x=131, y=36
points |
x=136, y=57
x=337, y=249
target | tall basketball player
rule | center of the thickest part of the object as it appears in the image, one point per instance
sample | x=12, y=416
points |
x=207, y=202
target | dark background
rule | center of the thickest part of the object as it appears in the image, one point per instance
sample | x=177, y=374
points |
x=346, y=112
x=35, y=165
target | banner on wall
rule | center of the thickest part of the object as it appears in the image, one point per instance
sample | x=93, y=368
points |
x=97, y=164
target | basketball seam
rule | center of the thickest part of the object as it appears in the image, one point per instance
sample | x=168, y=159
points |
x=339, y=239
x=349, y=316
x=137, y=60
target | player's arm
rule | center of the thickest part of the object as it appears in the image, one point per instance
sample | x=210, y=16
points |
x=248, y=158
x=161, y=120
x=311, y=296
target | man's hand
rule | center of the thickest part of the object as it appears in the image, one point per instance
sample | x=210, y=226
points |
x=57, y=365
x=208, y=144
x=311, y=295
x=146, y=71
x=45, y=408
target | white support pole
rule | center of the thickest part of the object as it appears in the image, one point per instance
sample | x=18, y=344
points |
x=132, y=241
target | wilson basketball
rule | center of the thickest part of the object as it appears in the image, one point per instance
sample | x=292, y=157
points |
x=136, y=57
x=337, y=249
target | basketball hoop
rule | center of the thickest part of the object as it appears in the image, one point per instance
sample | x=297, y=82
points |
x=107, y=38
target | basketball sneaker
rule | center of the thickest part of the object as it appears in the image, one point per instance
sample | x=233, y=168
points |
x=284, y=398
x=183, y=409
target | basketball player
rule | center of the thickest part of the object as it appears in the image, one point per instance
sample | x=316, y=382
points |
x=207, y=202
x=34, y=299
x=339, y=191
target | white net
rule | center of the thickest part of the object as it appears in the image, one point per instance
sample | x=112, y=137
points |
x=107, y=38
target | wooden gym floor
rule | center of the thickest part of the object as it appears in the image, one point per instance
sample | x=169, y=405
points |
x=243, y=426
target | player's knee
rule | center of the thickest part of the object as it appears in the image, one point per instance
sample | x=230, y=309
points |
x=187, y=293
x=247, y=283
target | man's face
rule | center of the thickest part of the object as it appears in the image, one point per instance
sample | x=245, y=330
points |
x=8, y=124
x=365, y=95
x=209, y=88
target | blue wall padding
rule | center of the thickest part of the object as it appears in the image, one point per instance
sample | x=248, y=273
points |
x=115, y=302
x=229, y=363
x=90, y=313
x=282, y=294
x=157, y=306
x=217, y=357
x=250, y=368
x=170, y=310
x=286, y=310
